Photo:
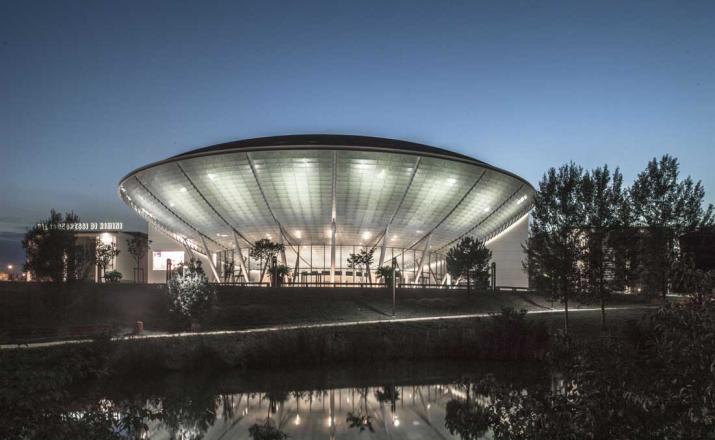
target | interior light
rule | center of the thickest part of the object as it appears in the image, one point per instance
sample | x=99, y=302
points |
x=487, y=209
x=451, y=181
x=212, y=176
x=366, y=235
x=171, y=204
x=419, y=232
x=521, y=200
x=298, y=234
x=183, y=189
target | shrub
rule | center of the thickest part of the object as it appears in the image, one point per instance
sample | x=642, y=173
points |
x=190, y=294
x=113, y=276
x=509, y=336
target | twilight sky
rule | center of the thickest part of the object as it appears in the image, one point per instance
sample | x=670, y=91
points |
x=91, y=90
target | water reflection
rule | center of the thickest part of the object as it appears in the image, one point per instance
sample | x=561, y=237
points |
x=242, y=406
x=412, y=411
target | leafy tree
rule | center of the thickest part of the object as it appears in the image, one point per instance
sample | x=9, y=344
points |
x=699, y=283
x=385, y=273
x=190, y=294
x=363, y=258
x=282, y=270
x=601, y=196
x=264, y=250
x=50, y=248
x=469, y=259
x=665, y=208
x=553, y=250
x=105, y=253
x=137, y=247
x=653, y=382
x=366, y=258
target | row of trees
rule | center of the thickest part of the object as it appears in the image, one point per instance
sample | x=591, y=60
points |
x=590, y=235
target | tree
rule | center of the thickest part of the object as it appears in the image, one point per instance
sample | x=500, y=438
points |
x=385, y=273
x=554, y=246
x=367, y=259
x=264, y=250
x=137, y=247
x=190, y=294
x=601, y=197
x=363, y=258
x=282, y=271
x=665, y=208
x=469, y=259
x=699, y=283
x=105, y=253
x=50, y=248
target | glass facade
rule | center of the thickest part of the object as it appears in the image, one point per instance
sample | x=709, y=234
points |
x=414, y=201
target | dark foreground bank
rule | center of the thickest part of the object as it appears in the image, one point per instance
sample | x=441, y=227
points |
x=650, y=378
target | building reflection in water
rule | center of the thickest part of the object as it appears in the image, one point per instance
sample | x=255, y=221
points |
x=414, y=412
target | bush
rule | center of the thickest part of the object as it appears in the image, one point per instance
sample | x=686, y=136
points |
x=113, y=276
x=509, y=336
x=190, y=294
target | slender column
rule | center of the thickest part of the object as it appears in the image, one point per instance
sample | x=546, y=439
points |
x=189, y=250
x=240, y=257
x=211, y=261
x=384, y=246
x=284, y=261
x=333, y=226
x=425, y=252
x=332, y=251
x=296, y=271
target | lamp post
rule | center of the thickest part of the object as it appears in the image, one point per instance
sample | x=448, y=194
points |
x=394, y=284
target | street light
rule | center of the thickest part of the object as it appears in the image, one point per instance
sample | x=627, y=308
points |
x=9, y=267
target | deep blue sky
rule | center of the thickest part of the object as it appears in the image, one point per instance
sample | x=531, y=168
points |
x=91, y=90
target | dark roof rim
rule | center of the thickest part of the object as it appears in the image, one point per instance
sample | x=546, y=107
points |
x=324, y=141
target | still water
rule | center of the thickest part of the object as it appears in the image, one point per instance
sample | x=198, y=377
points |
x=394, y=401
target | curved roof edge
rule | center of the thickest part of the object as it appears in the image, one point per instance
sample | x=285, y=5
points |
x=328, y=141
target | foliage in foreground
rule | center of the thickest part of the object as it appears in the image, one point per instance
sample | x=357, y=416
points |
x=190, y=294
x=657, y=381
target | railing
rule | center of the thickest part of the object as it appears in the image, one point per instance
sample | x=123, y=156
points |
x=374, y=285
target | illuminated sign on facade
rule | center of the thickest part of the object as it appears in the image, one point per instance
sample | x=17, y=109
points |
x=83, y=226
x=159, y=259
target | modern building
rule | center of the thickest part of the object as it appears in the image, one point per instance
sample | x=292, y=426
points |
x=325, y=197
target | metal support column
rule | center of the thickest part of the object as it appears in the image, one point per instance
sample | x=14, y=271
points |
x=383, y=249
x=296, y=271
x=333, y=228
x=241, y=264
x=211, y=261
x=333, y=225
x=425, y=252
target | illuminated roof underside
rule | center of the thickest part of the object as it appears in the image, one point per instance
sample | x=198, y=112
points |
x=278, y=188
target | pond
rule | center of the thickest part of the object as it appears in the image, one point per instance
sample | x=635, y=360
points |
x=410, y=400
